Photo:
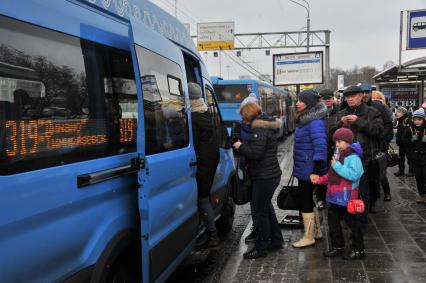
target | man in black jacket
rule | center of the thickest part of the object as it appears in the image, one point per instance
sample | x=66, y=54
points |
x=367, y=125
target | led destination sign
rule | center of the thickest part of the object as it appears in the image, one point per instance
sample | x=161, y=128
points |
x=25, y=138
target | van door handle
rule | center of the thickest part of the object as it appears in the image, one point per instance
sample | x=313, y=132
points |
x=193, y=164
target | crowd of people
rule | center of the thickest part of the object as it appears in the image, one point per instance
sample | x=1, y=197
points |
x=336, y=159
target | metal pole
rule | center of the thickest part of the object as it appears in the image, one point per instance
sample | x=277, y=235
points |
x=176, y=8
x=220, y=63
x=400, y=38
x=327, y=59
x=307, y=32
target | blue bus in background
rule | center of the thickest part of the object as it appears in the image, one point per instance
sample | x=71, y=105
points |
x=274, y=101
x=97, y=163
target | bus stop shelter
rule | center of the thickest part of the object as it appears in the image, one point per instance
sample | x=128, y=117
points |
x=404, y=85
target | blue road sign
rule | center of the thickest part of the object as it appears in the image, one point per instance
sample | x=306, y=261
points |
x=416, y=29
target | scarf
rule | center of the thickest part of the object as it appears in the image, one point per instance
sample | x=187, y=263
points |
x=333, y=177
x=198, y=105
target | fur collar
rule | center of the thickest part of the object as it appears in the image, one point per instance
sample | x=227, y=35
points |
x=266, y=124
x=317, y=112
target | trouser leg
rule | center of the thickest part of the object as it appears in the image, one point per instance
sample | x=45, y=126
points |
x=385, y=185
x=357, y=237
x=306, y=195
x=401, y=161
x=263, y=190
x=364, y=191
x=207, y=213
x=335, y=229
x=420, y=172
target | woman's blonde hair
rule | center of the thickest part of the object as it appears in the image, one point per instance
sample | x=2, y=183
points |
x=377, y=95
x=250, y=111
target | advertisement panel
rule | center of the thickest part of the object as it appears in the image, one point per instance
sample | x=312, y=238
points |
x=416, y=29
x=298, y=68
x=403, y=95
x=215, y=36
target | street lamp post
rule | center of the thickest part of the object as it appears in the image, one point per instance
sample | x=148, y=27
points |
x=308, y=20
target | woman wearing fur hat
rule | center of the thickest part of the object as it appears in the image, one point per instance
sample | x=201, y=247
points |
x=264, y=170
x=417, y=146
x=310, y=159
x=207, y=151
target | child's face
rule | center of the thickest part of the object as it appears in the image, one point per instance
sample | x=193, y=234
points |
x=398, y=114
x=418, y=121
x=342, y=145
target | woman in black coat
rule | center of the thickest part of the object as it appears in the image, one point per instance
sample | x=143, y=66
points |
x=207, y=151
x=265, y=173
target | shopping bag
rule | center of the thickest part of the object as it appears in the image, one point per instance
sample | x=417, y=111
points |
x=241, y=186
x=289, y=196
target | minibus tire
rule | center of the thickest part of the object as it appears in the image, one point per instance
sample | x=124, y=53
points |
x=226, y=220
x=120, y=261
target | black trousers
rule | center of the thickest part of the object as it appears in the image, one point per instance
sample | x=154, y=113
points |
x=385, y=185
x=320, y=192
x=420, y=171
x=364, y=192
x=402, y=154
x=306, y=196
x=335, y=214
x=269, y=230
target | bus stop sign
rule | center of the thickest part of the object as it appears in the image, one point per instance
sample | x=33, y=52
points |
x=416, y=29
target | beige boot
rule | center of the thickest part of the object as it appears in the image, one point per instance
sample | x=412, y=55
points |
x=318, y=232
x=308, y=239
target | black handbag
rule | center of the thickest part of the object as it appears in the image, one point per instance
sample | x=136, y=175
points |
x=392, y=157
x=241, y=186
x=289, y=196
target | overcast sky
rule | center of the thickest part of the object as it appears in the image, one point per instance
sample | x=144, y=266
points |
x=363, y=32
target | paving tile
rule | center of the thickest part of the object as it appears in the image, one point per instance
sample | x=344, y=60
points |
x=375, y=245
x=395, y=276
x=396, y=237
x=407, y=254
x=380, y=262
x=349, y=275
x=314, y=276
x=415, y=272
x=416, y=230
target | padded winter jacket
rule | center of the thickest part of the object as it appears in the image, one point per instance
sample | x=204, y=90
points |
x=310, y=142
x=350, y=172
x=367, y=129
x=261, y=150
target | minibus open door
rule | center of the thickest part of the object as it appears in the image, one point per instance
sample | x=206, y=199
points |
x=140, y=163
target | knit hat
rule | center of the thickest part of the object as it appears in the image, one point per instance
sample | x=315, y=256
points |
x=401, y=109
x=249, y=99
x=365, y=87
x=343, y=134
x=419, y=113
x=325, y=93
x=353, y=89
x=310, y=97
x=194, y=91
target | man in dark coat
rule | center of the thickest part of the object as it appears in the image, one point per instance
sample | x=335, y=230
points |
x=367, y=125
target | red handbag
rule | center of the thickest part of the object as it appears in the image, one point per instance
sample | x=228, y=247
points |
x=356, y=206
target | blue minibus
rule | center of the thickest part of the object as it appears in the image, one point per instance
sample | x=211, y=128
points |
x=274, y=101
x=97, y=163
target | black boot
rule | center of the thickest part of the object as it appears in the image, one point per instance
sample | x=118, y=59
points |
x=334, y=252
x=213, y=239
x=353, y=255
x=252, y=236
x=254, y=253
x=387, y=197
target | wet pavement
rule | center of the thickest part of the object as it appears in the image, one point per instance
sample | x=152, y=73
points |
x=395, y=245
x=207, y=266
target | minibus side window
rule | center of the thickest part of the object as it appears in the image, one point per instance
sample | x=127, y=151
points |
x=62, y=99
x=166, y=123
x=217, y=122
